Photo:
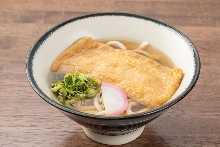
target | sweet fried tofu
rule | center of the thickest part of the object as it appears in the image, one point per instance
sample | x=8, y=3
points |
x=142, y=78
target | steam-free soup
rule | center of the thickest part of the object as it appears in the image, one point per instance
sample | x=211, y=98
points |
x=114, y=77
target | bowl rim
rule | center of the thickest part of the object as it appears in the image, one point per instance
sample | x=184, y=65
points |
x=36, y=88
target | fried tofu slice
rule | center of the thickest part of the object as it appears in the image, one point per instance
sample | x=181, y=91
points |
x=142, y=78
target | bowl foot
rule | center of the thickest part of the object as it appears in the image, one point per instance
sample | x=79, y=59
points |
x=114, y=140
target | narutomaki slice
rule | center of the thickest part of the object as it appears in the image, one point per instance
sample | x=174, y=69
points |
x=114, y=99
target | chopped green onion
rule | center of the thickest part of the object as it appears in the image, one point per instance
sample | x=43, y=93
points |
x=75, y=87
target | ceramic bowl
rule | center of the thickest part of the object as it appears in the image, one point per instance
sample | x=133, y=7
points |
x=112, y=130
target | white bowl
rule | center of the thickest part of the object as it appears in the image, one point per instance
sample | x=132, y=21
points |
x=113, y=26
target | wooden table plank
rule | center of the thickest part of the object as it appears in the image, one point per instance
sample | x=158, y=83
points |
x=27, y=121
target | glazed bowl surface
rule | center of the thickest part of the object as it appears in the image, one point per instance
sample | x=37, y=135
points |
x=107, y=26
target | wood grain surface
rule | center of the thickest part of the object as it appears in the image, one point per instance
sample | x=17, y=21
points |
x=27, y=121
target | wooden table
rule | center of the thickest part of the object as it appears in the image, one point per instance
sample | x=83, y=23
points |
x=27, y=121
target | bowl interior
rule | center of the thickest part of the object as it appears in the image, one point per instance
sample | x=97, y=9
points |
x=161, y=36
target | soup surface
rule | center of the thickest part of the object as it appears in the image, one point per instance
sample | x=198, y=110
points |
x=114, y=77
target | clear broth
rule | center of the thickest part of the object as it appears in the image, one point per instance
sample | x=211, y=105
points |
x=87, y=106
